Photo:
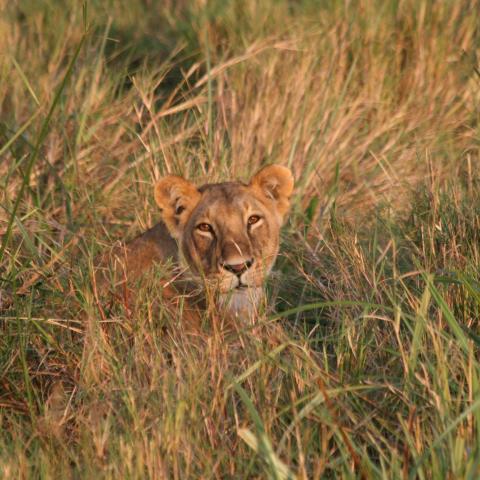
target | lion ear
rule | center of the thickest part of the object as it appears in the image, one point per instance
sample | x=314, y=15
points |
x=275, y=182
x=176, y=198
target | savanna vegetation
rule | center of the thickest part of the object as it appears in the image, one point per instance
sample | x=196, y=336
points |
x=367, y=363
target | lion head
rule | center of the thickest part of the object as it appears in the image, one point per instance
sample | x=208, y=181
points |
x=228, y=233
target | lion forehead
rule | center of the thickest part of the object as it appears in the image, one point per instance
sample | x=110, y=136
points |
x=224, y=200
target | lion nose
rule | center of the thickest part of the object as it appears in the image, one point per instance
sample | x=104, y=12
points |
x=238, y=268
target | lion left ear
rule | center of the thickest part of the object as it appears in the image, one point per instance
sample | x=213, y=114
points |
x=275, y=182
x=176, y=198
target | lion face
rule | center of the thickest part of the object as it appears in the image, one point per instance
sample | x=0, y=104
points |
x=228, y=233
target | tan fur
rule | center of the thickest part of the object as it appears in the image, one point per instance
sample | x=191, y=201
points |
x=235, y=255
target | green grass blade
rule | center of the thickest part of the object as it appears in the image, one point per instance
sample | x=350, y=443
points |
x=34, y=155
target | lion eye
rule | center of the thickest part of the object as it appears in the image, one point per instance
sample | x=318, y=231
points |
x=205, y=227
x=253, y=219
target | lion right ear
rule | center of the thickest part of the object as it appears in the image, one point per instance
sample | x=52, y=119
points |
x=176, y=198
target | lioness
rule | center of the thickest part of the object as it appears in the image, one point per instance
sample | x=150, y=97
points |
x=225, y=235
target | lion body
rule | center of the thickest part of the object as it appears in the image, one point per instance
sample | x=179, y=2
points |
x=224, y=236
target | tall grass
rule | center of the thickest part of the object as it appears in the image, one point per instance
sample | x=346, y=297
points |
x=368, y=365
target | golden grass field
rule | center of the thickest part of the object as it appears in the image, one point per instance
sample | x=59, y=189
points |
x=366, y=365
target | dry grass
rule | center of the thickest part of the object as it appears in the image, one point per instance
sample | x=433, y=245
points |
x=368, y=367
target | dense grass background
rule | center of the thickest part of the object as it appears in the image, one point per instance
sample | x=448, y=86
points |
x=368, y=367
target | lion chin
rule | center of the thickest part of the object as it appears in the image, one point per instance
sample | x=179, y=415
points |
x=241, y=302
x=224, y=233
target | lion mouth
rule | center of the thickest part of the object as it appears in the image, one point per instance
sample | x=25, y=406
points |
x=240, y=284
x=234, y=283
x=238, y=287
